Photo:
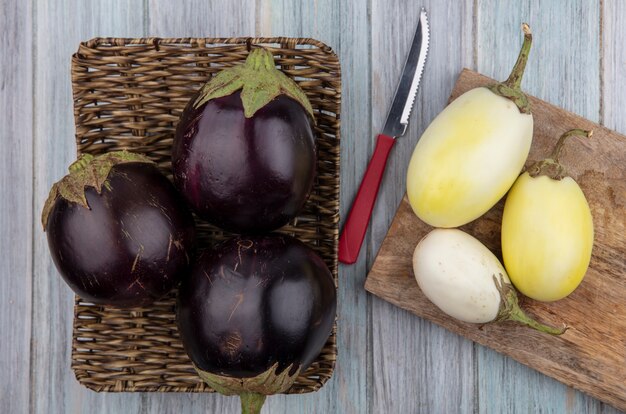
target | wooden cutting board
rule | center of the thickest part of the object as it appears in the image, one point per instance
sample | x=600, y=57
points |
x=591, y=355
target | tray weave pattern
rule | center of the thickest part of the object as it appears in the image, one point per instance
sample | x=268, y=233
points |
x=128, y=94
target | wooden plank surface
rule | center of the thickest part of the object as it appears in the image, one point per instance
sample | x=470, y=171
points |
x=590, y=355
x=320, y=20
x=60, y=26
x=554, y=67
x=197, y=18
x=354, y=371
x=613, y=79
x=16, y=209
x=405, y=349
x=389, y=360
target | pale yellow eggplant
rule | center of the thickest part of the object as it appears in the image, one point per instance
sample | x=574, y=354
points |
x=473, y=151
x=547, y=230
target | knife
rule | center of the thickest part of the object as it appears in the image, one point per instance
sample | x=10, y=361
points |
x=397, y=122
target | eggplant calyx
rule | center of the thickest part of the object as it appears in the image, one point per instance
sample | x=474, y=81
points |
x=87, y=171
x=252, y=390
x=259, y=81
x=551, y=166
x=267, y=383
x=80, y=164
x=511, y=311
x=511, y=88
x=517, y=96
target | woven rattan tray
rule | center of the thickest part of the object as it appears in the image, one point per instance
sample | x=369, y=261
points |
x=129, y=94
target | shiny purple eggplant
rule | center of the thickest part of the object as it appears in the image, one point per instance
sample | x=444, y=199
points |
x=118, y=231
x=255, y=313
x=244, y=154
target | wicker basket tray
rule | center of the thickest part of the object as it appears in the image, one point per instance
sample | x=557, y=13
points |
x=129, y=94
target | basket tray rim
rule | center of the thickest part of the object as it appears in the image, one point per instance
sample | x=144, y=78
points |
x=286, y=44
x=100, y=41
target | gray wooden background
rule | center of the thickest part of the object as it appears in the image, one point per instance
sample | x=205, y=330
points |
x=389, y=361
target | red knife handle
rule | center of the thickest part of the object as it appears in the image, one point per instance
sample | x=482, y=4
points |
x=355, y=227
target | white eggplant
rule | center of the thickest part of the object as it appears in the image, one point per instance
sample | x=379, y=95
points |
x=473, y=151
x=465, y=280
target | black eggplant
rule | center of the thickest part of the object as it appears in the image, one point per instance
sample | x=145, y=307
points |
x=244, y=153
x=118, y=231
x=255, y=313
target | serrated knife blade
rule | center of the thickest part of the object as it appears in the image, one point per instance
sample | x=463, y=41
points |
x=398, y=117
x=397, y=122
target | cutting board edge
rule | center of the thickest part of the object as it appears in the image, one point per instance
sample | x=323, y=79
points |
x=616, y=400
x=585, y=383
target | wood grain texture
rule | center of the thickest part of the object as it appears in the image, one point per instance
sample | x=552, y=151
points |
x=354, y=370
x=388, y=359
x=564, y=63
x=613, y=87
x=563, y=68
x=16, y=210
x=345, y=27
x=417, y=366
x=198, y=18
x=613, y=65
x=202, y=19
x=590, y=356
x=320, y=20
x=60, y=26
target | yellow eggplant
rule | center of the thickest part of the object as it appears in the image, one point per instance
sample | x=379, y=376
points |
x=473, y=151
x=547, y=229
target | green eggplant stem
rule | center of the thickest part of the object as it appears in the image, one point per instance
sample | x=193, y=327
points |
x=251, y=402
x=558, y=148
x=518, y=315
x=511, y=311
x=80, y=163
x=511, y=88
x=260, y=59
x=551, y=167
x=515, y=78
x=252, y=390
x=259, y=81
